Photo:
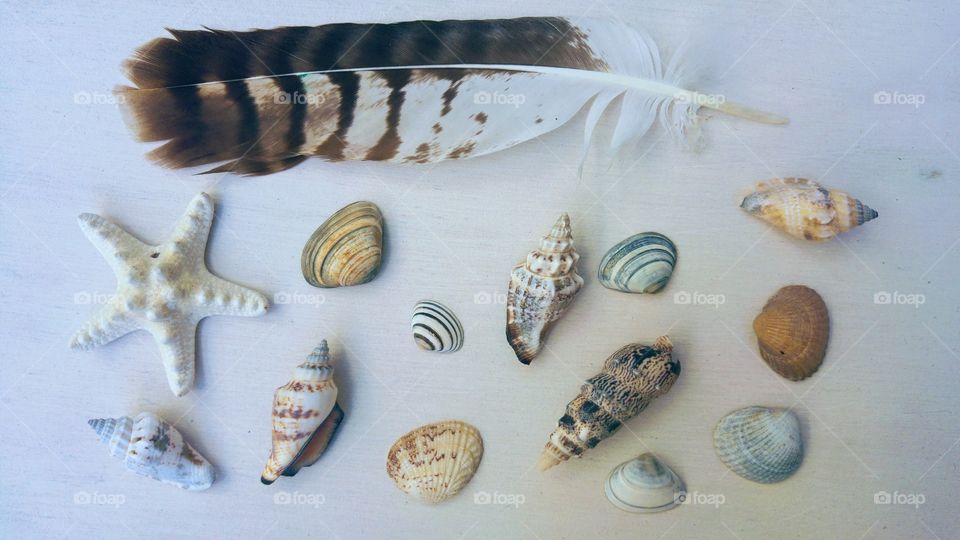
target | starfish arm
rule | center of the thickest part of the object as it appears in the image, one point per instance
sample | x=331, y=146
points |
x=221, y=297
x=177, y=342
x=190, y=235
x=116, y=245
x=111, y=322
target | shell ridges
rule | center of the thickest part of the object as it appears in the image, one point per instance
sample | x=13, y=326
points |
x=433, y=462
x=642, y=263
x=760, y=444
x=346, y=249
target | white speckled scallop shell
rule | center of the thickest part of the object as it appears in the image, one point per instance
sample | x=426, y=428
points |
x=644, y=485
x=151, y=447
x=436, y=328
x=434, y=462
x=760, y=444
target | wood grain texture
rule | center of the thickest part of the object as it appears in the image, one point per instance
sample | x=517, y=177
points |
x=879, y=415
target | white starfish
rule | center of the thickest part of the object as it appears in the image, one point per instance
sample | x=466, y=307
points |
x=163, y=289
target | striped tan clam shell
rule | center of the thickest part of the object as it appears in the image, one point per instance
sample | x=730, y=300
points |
x=435, y=461
x=642, y=263
x=542, y=287
x=631, y=378
x=151, y=447
x=804, y=209
x=760, y=444
x=305, y=416
x=792, y=332
x=436, y=328
x=346, y=249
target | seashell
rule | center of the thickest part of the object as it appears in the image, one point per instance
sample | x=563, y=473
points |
x=760, y=444
x=151, y=447
x=433, y=462
x=642, y=263
x=305, y=417
x=805, y=209
x=345, y=250
x=541, y=289
x=644, y=485
x=436, y=328
x=631, y=378
x=792, y=332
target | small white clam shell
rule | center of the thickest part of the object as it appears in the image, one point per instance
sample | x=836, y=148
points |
x=436, y=328
x=760, y=444
x=644, y=485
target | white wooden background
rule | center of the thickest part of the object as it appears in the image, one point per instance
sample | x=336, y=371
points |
x=880, y=415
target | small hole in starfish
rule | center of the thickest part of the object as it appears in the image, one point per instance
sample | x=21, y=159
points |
x=155, y=255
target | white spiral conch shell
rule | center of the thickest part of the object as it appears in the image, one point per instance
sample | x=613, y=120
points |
x=542, y=287
x=644, y=485
x=305, y=417
x=151, y=447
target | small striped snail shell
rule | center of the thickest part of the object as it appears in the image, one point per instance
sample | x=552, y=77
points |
x=436, y=328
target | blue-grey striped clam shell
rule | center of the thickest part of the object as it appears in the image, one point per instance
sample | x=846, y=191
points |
x=436, y=328
x=642, y=263
x=760, y=444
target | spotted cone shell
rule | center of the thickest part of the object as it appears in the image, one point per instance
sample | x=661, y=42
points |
x=305, y=416
x=151, y=447
x=792, y=332
x=346, y=250
x=806, y=210
x=542, y=287
x=433, y=462
x=760, y=444
x=631, y=378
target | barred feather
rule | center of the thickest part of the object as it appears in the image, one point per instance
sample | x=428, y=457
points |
x=264, y=100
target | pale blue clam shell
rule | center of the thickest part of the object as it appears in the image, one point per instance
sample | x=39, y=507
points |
x=642, y=263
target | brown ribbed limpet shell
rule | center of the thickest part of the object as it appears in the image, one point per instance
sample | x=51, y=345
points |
x=792, y=332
